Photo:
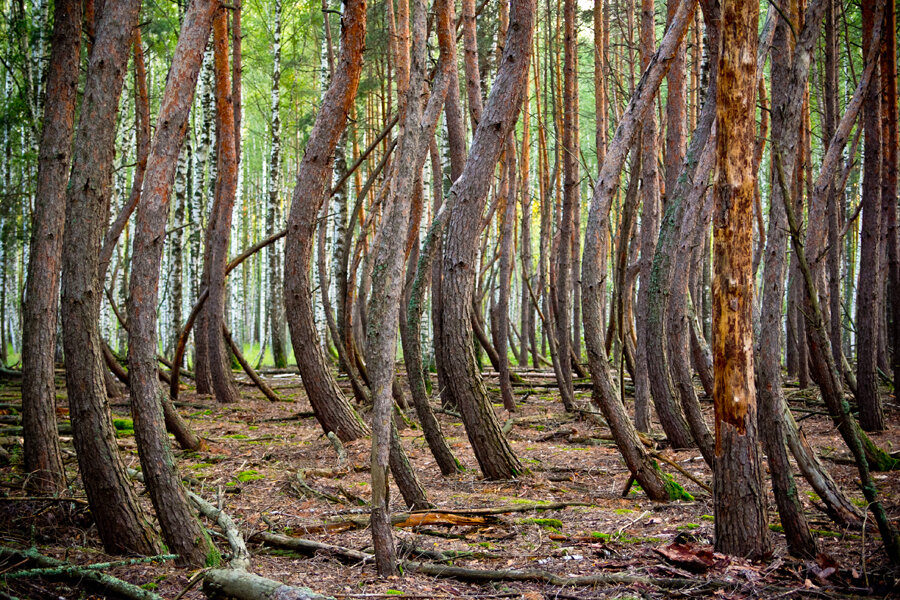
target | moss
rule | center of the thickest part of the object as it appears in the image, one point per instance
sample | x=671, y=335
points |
x=237, y=436
x=213, y=557
x=249, y=475
x=120, y=433
x=149, y=586
x=545, y=523
x=675, y=490
x=687, y=527
x=202, y=465
x=624, y=511
x=122, y=424
x=707, y=518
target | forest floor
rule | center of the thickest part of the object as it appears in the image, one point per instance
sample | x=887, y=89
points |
x=257, y=448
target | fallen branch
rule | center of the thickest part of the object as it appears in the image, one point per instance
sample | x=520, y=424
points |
x=240, y=556
x=230, y=583
x=338, y=447
x=57, y=569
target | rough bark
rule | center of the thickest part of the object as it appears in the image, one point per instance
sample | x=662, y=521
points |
x=468, y=193
x=740, y=508
x=178, y=523
x=570, y=204
x=332, y=409
x=889, y=168
x=868, y=290
x=220, y=218
x=418, y=123
x=118, y=516
x=42, y=457
x=646, y=471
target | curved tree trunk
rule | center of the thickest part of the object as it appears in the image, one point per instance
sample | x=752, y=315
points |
x=181, y=530
x=494, y=454
x=42, y=457
x=645, y=470
x=668, y=411
x=332, y=409
x=114, y=505
x=417, y=128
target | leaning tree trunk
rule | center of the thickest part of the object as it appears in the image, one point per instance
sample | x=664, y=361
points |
x=417, y=127
x=492, y=450
x=220, y=219
x=182, y=532
x=42, y=457
x=790, y=69
x=114, y=505
x=668, y=411
x=645, y=470
x=331, y=407
x=740, y=508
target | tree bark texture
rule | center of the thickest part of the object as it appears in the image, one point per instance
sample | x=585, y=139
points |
x=331, y=407
x=180, y=529
x=118, y=516
x=468, y=194
x=42, y=457
x=740, y=507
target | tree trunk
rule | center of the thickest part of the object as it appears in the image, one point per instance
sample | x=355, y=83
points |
x=506, y=207
x=417, y=124
x=868, y=292
x=571, y=203
x=412, y=349
x=740, y=509
x=220, y=219
x=889, y=167
x=494, y=454
x=178, y=523
x=332, y=409
x=645, y=470
x=273, y=212
x=42, y=457
x=114, y=506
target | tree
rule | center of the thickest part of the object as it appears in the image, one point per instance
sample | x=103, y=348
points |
x=181, y=530
x=871, y=411
x=332, y=409
x=604, y=394
x=273, y=212
x=113, y=502
x=467, y=195
x=219, y=232
x=42, y=456
x=740, y=509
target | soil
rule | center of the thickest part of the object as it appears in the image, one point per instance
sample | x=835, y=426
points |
x=257, y=448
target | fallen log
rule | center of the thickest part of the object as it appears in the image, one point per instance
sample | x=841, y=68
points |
x=50, y=568
x=235, y=583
